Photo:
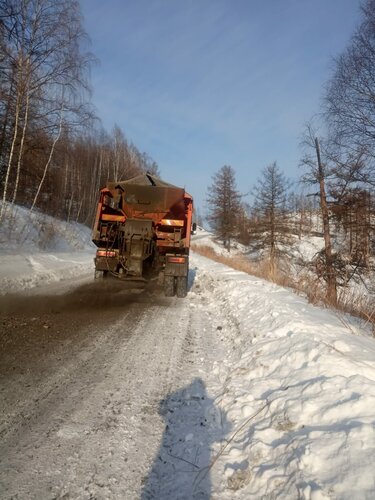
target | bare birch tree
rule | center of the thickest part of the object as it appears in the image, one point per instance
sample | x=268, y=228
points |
x=44, y=60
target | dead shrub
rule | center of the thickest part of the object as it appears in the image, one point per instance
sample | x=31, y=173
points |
x=261, y=269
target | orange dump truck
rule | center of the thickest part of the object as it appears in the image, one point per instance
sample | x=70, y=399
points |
x=143, y=226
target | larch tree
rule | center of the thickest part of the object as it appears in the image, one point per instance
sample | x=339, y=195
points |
x=270, y=194
x=224, y=202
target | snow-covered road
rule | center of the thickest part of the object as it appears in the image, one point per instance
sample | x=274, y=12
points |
x=241, y=390
x=89, y=381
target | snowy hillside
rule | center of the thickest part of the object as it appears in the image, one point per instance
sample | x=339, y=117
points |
x=205, y=238
x=37, y=249
x=299, y=266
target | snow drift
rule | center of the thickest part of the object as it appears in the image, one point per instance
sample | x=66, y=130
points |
x=298, y=387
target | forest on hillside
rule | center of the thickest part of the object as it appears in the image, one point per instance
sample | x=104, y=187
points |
x=54, y=152
x=335, y=197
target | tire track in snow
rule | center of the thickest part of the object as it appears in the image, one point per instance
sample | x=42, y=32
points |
x=93, y=428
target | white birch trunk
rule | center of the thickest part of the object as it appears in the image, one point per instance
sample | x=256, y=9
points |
x=20, y=153
x=10, y=159
x=48, y=162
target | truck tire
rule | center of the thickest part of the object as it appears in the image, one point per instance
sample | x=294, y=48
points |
x=169, y=286
x=181, y=286
x=101, y=274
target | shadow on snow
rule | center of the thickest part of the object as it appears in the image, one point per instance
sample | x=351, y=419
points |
x=181, y=468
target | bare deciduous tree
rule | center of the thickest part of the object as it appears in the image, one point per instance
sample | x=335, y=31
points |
x=350, y=102
x=318, y=173
x=45, y=71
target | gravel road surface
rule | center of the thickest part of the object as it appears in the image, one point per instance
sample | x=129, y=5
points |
x=86, y=381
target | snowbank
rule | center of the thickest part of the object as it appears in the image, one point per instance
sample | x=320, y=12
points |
x=36, y=249
x=298, y=387
x=21, y=272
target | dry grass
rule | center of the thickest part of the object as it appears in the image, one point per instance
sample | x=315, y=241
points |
x=363, y=308
x=261, y=269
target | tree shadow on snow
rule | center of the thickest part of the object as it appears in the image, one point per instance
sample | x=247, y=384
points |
x=181, y=468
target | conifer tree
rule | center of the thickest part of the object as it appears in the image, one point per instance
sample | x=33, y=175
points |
x=270, y=200
x=224, y=205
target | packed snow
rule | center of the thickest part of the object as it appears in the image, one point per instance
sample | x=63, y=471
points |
x=298, y=388
x=281, y=395
x=207, y=239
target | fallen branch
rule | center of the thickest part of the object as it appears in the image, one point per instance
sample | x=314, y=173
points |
x=183, y=459
x=203, y=472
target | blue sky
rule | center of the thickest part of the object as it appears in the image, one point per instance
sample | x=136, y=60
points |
x=198, y=84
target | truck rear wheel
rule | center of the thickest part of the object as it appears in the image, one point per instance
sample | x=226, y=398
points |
x=101, y=274
x=181, y=286
x=169, y=286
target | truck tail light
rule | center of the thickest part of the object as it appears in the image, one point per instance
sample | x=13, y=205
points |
x=105, y=253
x=176, y=260
x=172, y=222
